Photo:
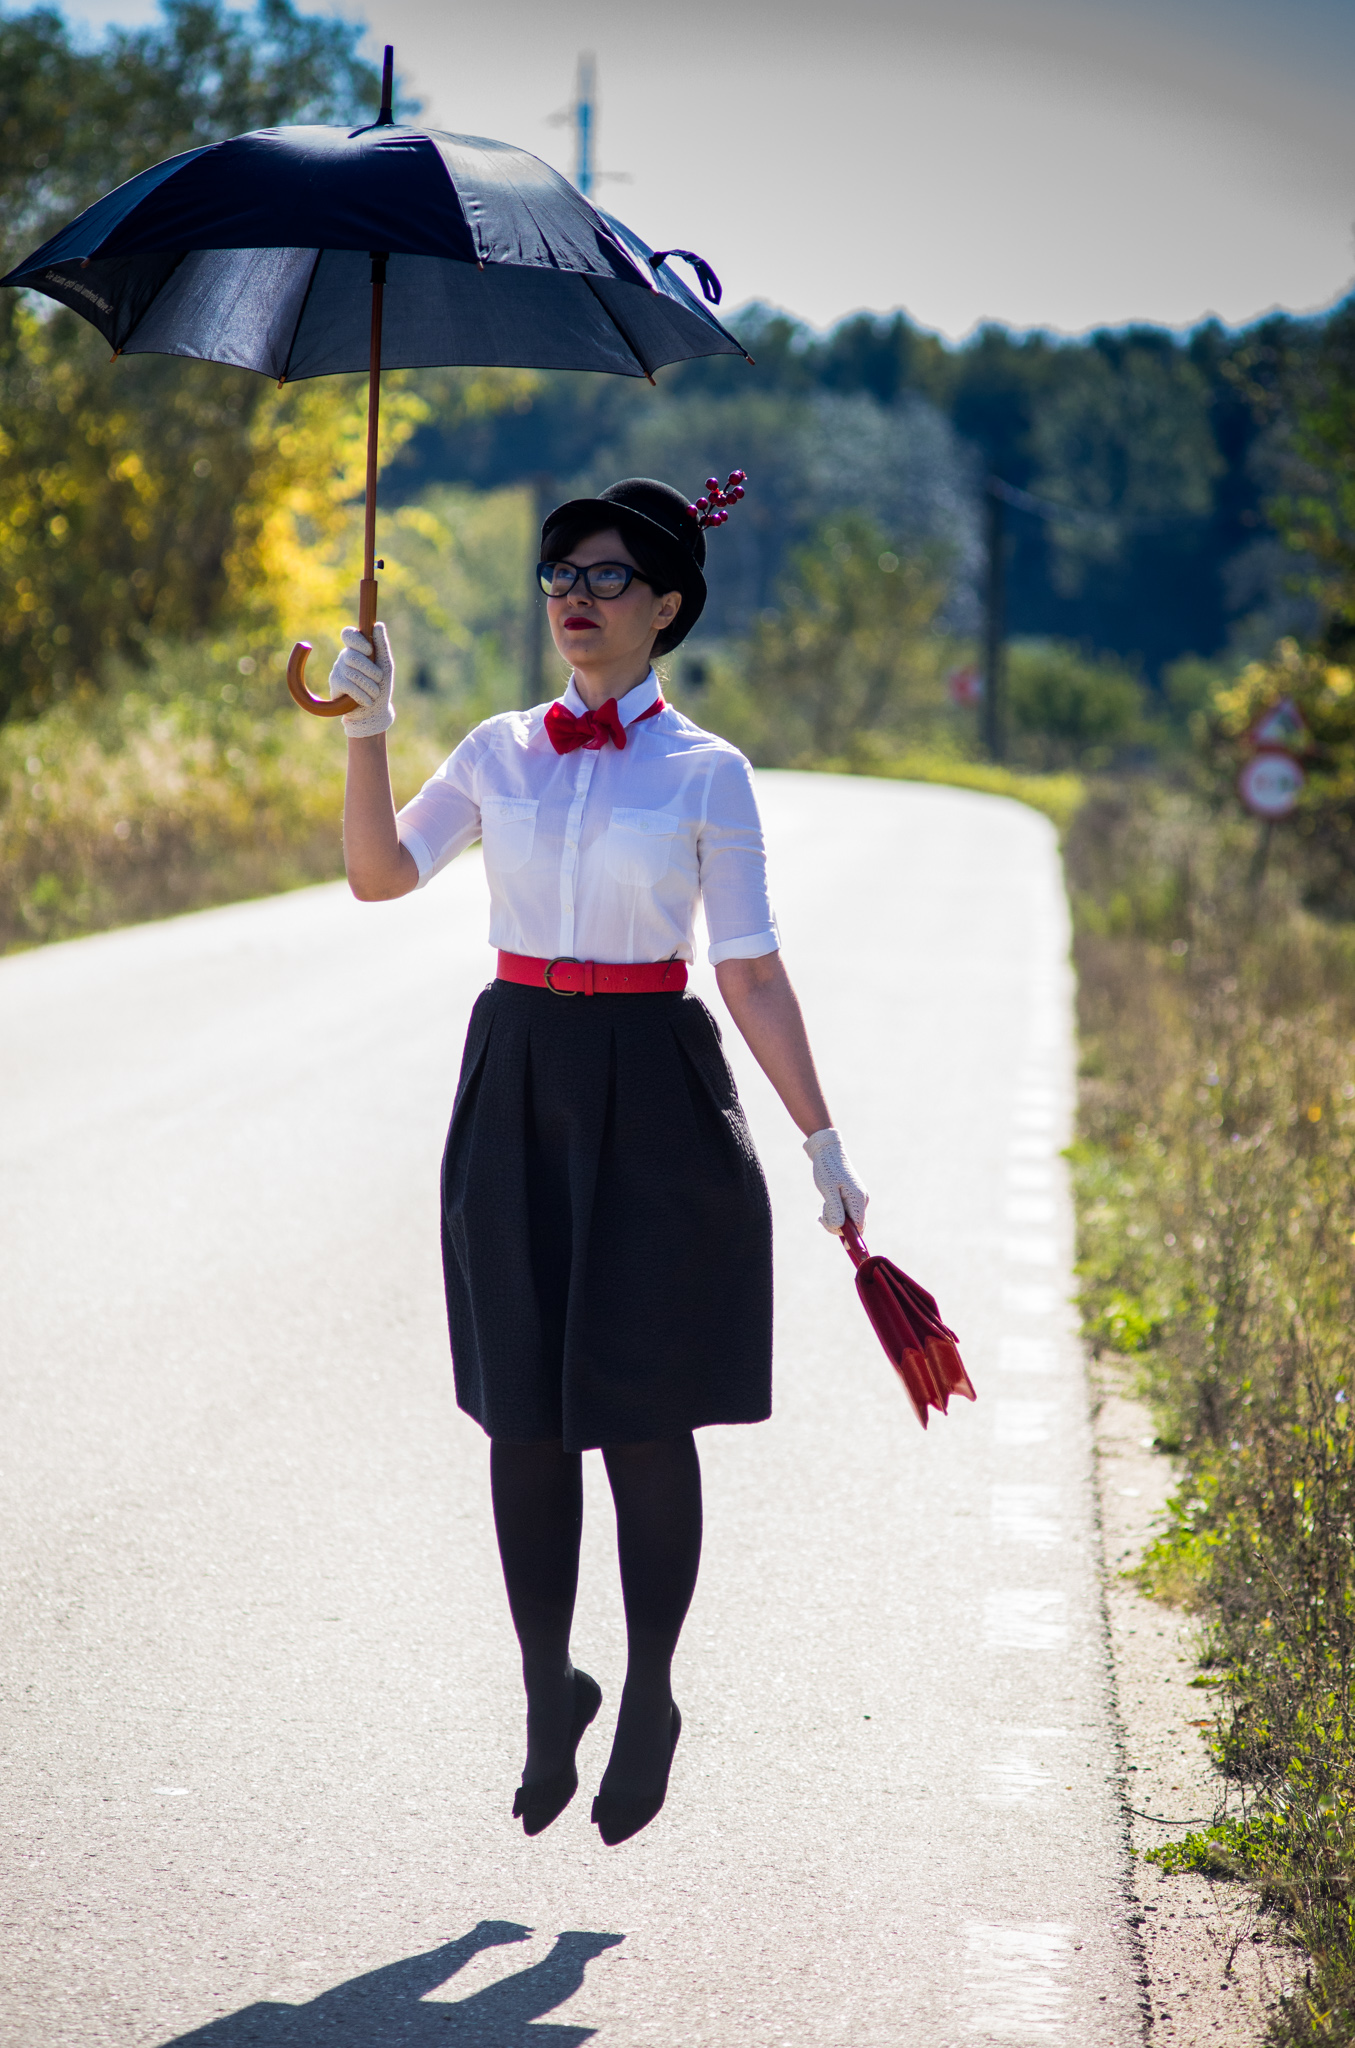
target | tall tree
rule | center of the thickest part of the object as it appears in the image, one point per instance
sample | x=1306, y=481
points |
x=76, y=121
x=1315, y=508
x=149, y=497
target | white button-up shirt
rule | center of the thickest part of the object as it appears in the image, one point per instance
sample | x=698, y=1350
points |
x=603, y=855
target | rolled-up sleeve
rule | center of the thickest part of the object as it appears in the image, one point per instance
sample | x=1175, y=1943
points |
x=444, y=818
x=733, y=866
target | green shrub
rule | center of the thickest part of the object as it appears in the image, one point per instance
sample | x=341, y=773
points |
x=1069, y=709
x=853, y=647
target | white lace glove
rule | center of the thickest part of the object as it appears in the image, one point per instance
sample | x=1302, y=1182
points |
x=843, y=1194
x=368, y=682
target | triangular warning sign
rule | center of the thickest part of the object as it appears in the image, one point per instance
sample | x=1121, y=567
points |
x=1282, y=726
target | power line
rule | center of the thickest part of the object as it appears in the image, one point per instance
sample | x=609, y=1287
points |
x=1050, y=510
x=1043, y=508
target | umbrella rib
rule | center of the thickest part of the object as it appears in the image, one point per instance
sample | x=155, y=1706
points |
x=617, y=324
x=301, y=314
x=119, y=346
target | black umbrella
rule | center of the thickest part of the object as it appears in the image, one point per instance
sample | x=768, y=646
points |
x=260, y=251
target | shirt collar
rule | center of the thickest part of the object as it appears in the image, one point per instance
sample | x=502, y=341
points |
x=630, y=707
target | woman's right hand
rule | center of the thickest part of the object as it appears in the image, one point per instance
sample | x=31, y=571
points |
x=365, y=671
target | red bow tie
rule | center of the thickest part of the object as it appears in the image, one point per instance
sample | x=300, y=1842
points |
x=594, y=729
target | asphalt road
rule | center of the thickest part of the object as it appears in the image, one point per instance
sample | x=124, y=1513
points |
x=262, y=1722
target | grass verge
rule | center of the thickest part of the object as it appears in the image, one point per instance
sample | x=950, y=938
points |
x=1060, y=796
x=182, y=787
x=1215, y=1171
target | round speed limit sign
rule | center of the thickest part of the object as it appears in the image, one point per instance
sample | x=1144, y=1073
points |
x=1270, y=785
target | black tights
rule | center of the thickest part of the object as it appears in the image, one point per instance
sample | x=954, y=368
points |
x=538, y=1514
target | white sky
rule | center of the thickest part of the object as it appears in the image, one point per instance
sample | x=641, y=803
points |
x=1053, y=163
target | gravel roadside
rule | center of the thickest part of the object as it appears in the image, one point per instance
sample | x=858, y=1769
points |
x=1214, y=1965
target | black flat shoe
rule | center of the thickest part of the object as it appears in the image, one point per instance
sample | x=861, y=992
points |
x=618, y=1819
x=539, y=1804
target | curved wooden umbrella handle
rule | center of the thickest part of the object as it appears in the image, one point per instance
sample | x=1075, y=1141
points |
x=319, y=707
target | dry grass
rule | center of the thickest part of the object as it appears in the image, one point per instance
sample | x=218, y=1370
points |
x=189, y=786
x=1216, y=1173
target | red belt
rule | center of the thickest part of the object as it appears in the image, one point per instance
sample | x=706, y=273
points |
x=567, y=977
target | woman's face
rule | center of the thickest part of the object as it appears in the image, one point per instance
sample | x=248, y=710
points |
x=593, y=632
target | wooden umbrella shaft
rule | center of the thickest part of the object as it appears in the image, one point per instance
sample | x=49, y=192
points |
x=335, y=707
x=367, y=588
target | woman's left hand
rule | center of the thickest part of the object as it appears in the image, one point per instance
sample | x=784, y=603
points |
x=843, y=1194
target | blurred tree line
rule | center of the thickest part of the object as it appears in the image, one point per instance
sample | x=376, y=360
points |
x=1167, y=450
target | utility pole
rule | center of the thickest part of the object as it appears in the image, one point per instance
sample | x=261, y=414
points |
x=585, y=103
x=582, y=116
x=995, y=624
x=534, y=651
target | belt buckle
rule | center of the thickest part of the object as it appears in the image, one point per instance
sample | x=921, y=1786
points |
x=561, y=960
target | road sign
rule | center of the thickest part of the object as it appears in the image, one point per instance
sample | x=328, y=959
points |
x=1280, y=729
x=1270, y=784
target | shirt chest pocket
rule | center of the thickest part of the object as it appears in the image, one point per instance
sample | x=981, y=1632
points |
x=639, y=846
x=508, y=829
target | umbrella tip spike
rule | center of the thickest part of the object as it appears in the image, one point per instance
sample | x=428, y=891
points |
x=385, y=118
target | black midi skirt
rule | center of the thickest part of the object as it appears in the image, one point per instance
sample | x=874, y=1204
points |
x=606, y=1231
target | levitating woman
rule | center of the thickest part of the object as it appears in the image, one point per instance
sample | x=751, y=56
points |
x=605, y=1225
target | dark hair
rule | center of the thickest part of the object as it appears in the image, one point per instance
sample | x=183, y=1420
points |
x=655, y=562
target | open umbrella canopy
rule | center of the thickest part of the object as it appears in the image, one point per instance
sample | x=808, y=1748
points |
x=257, y=252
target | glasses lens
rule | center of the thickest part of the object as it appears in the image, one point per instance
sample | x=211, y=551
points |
x=557, y=579
x=608, y=579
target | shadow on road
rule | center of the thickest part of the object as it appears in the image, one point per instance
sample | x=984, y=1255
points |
x=386, y=2009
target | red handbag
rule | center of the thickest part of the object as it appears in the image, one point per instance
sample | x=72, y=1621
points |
x=905, y=1318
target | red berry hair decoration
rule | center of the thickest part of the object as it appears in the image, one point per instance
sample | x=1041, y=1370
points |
x=713, y=509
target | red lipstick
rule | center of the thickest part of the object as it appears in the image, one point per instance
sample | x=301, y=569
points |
x=576, y=623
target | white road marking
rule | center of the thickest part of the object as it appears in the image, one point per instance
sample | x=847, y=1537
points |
x=1032, y=1148
x=1027, y=1354
x=1030, y=1209
x=1020, y=1619
x=1013, y=1781
x=1031, y=1251
x=1033, y=1120
x=1029, y=1298
x=1027, y=1514
x=1013, y=1981
x=1020, y=1423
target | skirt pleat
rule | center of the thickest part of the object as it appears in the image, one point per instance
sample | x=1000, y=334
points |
x=605, y=1224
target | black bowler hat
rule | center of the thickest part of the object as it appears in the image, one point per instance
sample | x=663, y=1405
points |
x=655, y=521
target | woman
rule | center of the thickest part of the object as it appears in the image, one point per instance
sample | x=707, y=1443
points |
x=606, y=1231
